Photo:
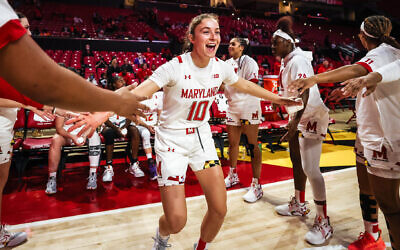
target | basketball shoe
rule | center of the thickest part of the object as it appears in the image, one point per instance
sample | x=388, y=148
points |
x=152, y=169
x=10, y=240
x=254, y=194
x=159, y=243
x=293, y=208
x=367, y=242
x=320, y=232
x=232, y=179
x=135, y=170
x=51, y=187
x=92, y=181
x=108, y=174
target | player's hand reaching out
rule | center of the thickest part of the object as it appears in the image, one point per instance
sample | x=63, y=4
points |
x=301, y=85
x=289, y=101
x=129, y=103
x=355, y=85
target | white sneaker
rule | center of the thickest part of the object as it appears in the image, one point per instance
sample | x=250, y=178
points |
x=10, y=240
x=135, y=170
x=92, y=181
x=159, y=243
x=320, y=232
x=293, y=208
x=254, y=194
x=108, y=174
x=51, y=187
x=231, y=180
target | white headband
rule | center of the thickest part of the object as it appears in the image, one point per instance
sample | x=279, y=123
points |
x=284, y=35
x=366, y=33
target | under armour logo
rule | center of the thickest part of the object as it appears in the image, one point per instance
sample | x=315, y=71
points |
x=171, y=150
x=188, y=77
x=216, y=76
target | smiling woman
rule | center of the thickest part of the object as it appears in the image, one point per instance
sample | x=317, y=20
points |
x=190, y=83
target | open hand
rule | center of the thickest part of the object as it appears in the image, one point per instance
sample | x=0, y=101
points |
x=129, y=104
x=301, y=85
x=91, y=122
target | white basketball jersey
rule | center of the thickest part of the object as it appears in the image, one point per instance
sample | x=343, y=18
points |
x=246, y=68
x=155, y=103
x=189, y=90
x=8, y=116
x=297, y=64
x=117, y=120
x=378, y=115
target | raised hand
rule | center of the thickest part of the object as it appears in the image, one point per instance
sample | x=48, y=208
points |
x=89, y=121
x=129, y=103
x=301, y=85
x=289, y=101
x=337, y=95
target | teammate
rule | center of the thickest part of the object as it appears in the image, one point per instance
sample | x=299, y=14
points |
x=376, y=136
x=8, y=116
x=147, y=125
x=119, y=127
x=26, y=67
x=62, y=138
x=243, y=115
x=190, y=83
x=312, y=121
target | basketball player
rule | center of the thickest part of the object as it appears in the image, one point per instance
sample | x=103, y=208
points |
x=312, y=121
x=376, y=138
x=62, y=138
x=8, y=116
x=146, y=126
x=190, y=83
x=243, y=115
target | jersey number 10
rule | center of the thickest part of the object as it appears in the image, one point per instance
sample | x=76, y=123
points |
x=198, y=111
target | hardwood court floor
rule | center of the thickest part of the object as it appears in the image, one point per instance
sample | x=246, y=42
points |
x=247, y=226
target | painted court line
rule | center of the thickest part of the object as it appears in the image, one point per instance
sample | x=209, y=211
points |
x=127, y=209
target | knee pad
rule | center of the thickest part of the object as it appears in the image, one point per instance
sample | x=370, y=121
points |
x=94, y=150
x=369, y=207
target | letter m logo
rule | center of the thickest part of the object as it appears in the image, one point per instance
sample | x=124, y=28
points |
x=312, y=127
x=380, y=155
x=254, y=116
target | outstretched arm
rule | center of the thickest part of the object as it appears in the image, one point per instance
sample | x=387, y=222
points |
x=27, y=67
x=255, y=90
x=337, y=75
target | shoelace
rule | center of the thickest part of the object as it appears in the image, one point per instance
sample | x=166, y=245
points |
x=161, y=242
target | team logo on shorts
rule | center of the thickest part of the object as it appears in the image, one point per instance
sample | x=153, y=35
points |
x=254, y=116
x=380, y=156
x=312, y=128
